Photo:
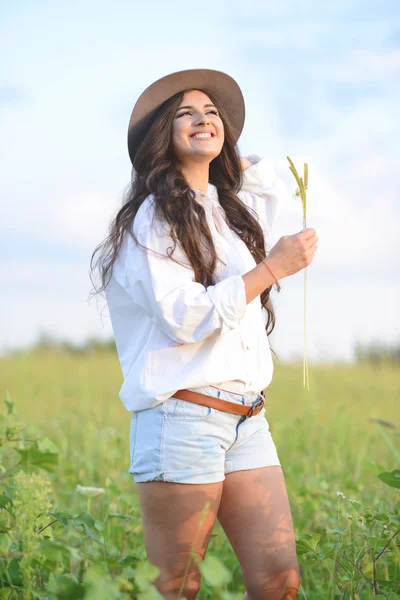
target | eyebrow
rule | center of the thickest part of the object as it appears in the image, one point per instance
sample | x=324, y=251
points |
x=192, y=106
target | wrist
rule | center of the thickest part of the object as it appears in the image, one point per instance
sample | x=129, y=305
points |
x=274, y=266
x=272, y=274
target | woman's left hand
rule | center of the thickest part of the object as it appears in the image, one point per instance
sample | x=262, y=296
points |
x=245, y=163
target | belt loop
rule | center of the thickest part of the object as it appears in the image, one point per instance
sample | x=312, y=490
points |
x=250, y=414
x=260, y=403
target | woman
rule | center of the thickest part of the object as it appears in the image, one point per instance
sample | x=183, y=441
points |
x=188, y=294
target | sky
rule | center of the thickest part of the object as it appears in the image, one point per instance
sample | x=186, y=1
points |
x=321, y=84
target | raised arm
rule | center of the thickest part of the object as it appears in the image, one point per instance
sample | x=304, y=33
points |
x=262, y=190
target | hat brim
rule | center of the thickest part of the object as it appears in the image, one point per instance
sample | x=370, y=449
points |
x=225, y=89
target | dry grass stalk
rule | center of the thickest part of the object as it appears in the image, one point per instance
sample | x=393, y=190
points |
x=301, y=191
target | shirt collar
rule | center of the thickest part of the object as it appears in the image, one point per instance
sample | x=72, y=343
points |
x=209, y=197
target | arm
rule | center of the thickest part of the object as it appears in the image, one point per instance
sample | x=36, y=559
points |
x=185, y=310
x=262, y=190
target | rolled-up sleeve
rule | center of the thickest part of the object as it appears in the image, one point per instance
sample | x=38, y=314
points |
x=182, y=308
x=263, y=191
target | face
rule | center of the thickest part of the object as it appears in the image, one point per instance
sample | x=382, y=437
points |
x=197, y=115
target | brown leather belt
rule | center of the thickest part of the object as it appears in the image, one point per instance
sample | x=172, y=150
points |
x=219, y=404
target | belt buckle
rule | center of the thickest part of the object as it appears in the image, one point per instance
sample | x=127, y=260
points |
x=260, y=403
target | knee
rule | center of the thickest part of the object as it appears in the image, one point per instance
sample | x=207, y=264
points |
x=190, y=591
x=289, y=583
x=284, y=586
x=281, y=586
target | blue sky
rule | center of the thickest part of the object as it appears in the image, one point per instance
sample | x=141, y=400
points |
x=321, y=83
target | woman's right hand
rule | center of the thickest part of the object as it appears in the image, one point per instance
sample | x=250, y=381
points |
x=292, y=253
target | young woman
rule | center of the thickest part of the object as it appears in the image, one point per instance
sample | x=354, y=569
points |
x=188, y=292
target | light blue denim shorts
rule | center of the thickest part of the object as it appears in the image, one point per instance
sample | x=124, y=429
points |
x=184, y=442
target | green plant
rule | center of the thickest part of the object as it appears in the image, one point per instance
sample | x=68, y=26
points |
x=360, y=553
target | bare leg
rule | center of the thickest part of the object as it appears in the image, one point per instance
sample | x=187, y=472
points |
x=175, y=521
x=255, y=515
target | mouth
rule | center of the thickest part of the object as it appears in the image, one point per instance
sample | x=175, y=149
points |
x=202, y=136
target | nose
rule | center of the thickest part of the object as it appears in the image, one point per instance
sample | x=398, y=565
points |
x=202, y=120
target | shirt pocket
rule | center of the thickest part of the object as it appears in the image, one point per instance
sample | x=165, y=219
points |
x=183, y=410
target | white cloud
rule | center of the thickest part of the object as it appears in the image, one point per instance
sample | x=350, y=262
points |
x=65, y=162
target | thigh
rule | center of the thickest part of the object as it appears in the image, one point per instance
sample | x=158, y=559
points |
x=255, y=515
x=177, y=519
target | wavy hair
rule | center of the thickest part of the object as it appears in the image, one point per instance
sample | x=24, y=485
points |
x=157, y=172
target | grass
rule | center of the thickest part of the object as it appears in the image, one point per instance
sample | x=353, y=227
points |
x=326, y=439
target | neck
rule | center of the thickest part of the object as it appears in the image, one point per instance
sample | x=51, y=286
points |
x=196, y=175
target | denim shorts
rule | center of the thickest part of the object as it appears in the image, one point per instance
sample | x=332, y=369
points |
x=184, y=442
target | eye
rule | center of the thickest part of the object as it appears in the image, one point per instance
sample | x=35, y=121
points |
x=188, y=112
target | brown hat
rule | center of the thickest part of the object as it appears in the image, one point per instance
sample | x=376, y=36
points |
x=225, y=89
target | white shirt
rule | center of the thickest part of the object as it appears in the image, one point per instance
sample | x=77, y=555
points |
x=173, y=333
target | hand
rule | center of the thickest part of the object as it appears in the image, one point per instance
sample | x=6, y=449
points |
x=245, y=163
x=292, y=253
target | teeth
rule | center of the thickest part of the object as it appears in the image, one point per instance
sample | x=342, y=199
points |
x=201, y=135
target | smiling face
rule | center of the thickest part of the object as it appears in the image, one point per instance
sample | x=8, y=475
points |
x=197, y=129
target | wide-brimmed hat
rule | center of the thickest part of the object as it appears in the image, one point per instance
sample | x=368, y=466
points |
x=225, y=89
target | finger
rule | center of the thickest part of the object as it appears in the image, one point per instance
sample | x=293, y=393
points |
x=311, y=241
x=307, y=233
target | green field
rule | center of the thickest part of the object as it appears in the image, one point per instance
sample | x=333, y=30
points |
x=328, y=440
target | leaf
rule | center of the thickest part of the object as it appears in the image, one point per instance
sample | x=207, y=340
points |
x=54, y=552
x=145, y=574
x=338, y=530
x=42, y=454
x=308, y=543
x=395, y=520
x=87, y=522
x=9, y=403
x=374, y=465
x=382, y=518
x=113, y=487
x=46, y=445
x=62, y=518
x=14, y=572
x=214, y=571
x=392, y=478
x=121, y=516
x=130, y=559
x=99, y=587
x=65, y=588
x=84, y=519
x=4, y=501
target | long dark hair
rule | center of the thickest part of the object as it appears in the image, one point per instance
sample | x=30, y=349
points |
x=157, y=172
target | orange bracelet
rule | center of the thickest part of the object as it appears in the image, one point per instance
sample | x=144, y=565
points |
x=278, y=287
